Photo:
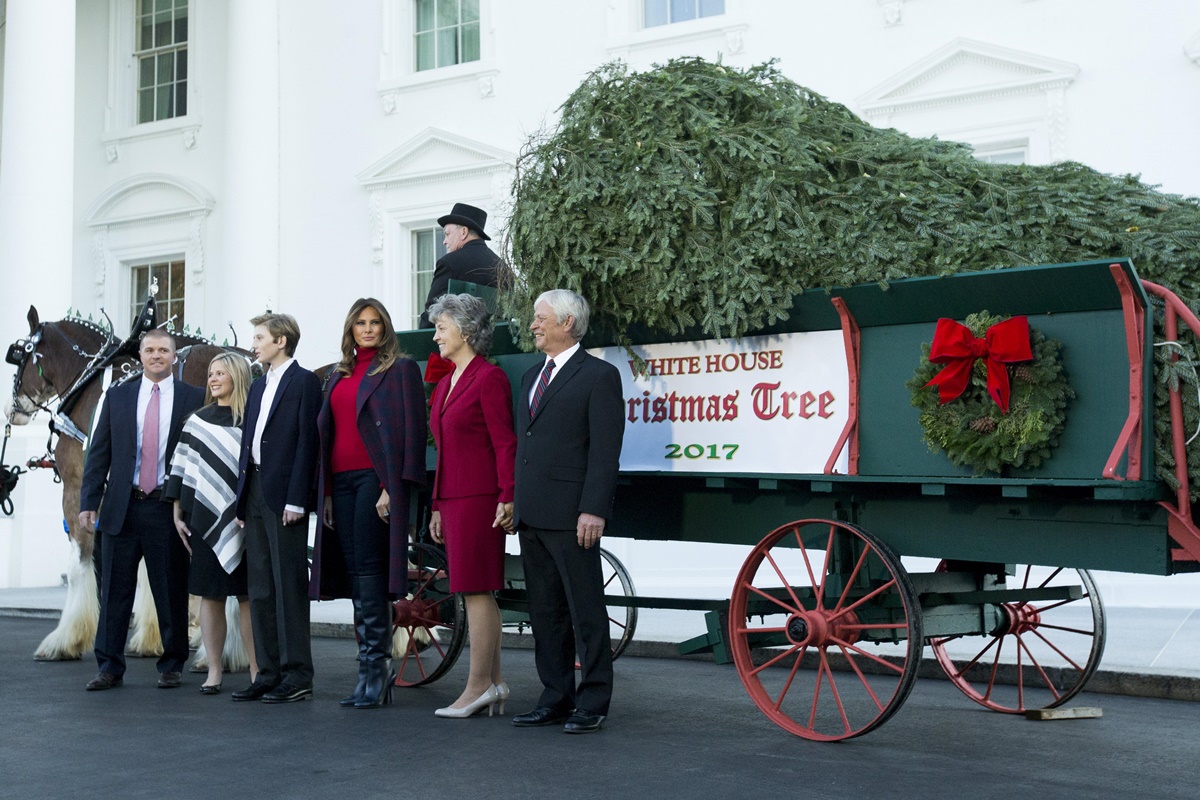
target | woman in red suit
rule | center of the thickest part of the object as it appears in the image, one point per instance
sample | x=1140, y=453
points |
x=372, y=429
x=472, y=423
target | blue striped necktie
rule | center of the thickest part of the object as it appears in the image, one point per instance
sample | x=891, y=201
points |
x=543, y=382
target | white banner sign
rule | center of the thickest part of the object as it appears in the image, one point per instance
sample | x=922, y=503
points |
x=762, y=404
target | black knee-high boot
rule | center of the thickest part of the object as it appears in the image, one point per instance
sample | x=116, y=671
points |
x=361, y=634
x=377, y=626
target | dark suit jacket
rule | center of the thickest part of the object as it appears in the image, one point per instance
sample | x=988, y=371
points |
x=391, y=420
x=569, y=454
x=289, y=441
x=112, y=450
x=472, y=262
x=474, y=434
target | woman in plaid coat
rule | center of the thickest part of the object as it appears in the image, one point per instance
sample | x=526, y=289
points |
x=372, y=433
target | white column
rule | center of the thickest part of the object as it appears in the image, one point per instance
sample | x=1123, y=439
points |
x=37, y=147
x=249, y=207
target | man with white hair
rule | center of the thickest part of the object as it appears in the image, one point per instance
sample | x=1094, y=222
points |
x=569, y=430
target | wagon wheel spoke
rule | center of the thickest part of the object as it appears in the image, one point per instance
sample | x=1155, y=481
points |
x=1061, y=603
x=995, y=640
x=866, y=598
x=767, y=596
x=1064, y=629
x=862, y=557
x=791, y=676
x=772, y=662
x=833, y=690
x=857, y=671
x=1058, y=650
x=883, y=662
x=1037, y=666
x=432, y=619
x=991, y=684
x=833, y=698
x=786, y=583
x=1044, y=638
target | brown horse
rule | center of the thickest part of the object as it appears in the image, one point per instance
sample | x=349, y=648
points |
x=63, y=359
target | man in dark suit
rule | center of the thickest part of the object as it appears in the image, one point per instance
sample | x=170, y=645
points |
x=275, y=493
x=467, y=257
x=569, y=429
x=127, y=463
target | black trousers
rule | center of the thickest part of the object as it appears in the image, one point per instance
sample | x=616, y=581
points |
x=361, y=534
x=565, y=584
x=277, y=582
x=149, y=533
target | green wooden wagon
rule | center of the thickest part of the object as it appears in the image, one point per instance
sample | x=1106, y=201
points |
x=825, y=624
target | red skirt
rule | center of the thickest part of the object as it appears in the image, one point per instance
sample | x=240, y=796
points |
x=474, y=549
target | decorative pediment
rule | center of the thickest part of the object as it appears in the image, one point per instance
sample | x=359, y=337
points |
x=143, y=198
x=435, y=155
x=965, y=70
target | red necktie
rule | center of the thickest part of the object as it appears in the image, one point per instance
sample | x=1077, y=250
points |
x=543, y=382
x=148, y=472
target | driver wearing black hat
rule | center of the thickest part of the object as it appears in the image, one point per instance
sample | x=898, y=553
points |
x=467, y=257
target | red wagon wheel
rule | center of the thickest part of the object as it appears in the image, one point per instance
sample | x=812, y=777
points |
x=430, y=623
x=814, y=604
x=1040, y=653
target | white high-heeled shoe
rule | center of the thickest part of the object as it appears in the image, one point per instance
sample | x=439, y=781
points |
x=487, y=700
x=502, y=694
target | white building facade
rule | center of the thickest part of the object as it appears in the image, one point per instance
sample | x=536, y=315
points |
x=297, y=153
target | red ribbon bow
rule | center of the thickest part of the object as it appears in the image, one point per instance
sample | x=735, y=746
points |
x=437, y=368
x=955, y=346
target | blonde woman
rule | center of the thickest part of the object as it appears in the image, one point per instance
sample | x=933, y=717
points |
x=203, y=484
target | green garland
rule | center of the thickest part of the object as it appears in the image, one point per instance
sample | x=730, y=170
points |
x=973, y=431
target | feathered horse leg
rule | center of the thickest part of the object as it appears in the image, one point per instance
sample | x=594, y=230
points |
x=76, y=630
x=146, y=640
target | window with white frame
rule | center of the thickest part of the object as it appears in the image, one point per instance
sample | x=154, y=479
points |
x=162, y=59
x=171, y=289
x=1011, y=152
x=446, y=33
x=427, y=248
x=666, y=12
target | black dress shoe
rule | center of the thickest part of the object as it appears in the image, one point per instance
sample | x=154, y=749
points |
x=542, y=715
x=583, y=722
x=104, y=680
x=169, y=680
x=254, y=691
x=286, y=693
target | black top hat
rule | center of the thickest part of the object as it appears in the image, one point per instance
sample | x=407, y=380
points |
x=469, y=216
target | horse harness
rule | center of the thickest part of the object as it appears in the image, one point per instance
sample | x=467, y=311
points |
x=20, y=353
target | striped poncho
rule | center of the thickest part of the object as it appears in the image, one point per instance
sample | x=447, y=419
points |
x=204, y=481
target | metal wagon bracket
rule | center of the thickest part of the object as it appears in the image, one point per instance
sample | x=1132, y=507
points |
x=1181, y=527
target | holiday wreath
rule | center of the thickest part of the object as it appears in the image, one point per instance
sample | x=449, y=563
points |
x=989, y=412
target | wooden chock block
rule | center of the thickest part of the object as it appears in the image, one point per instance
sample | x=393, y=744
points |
x=1078, y=712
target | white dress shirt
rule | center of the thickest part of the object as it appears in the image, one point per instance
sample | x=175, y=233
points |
x=273, y=377
x=559, y=360
x=166, y=401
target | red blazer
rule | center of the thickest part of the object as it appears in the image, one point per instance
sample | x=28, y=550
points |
x=477, y=447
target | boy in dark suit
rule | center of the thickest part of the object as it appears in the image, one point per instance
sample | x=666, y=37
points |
x=569, y=430
x=127, y=462
x=274, y=496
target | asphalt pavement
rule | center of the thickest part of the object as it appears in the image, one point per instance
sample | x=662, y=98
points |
x=678, y=728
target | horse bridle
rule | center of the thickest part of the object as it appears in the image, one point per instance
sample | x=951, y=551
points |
x=20, y=351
